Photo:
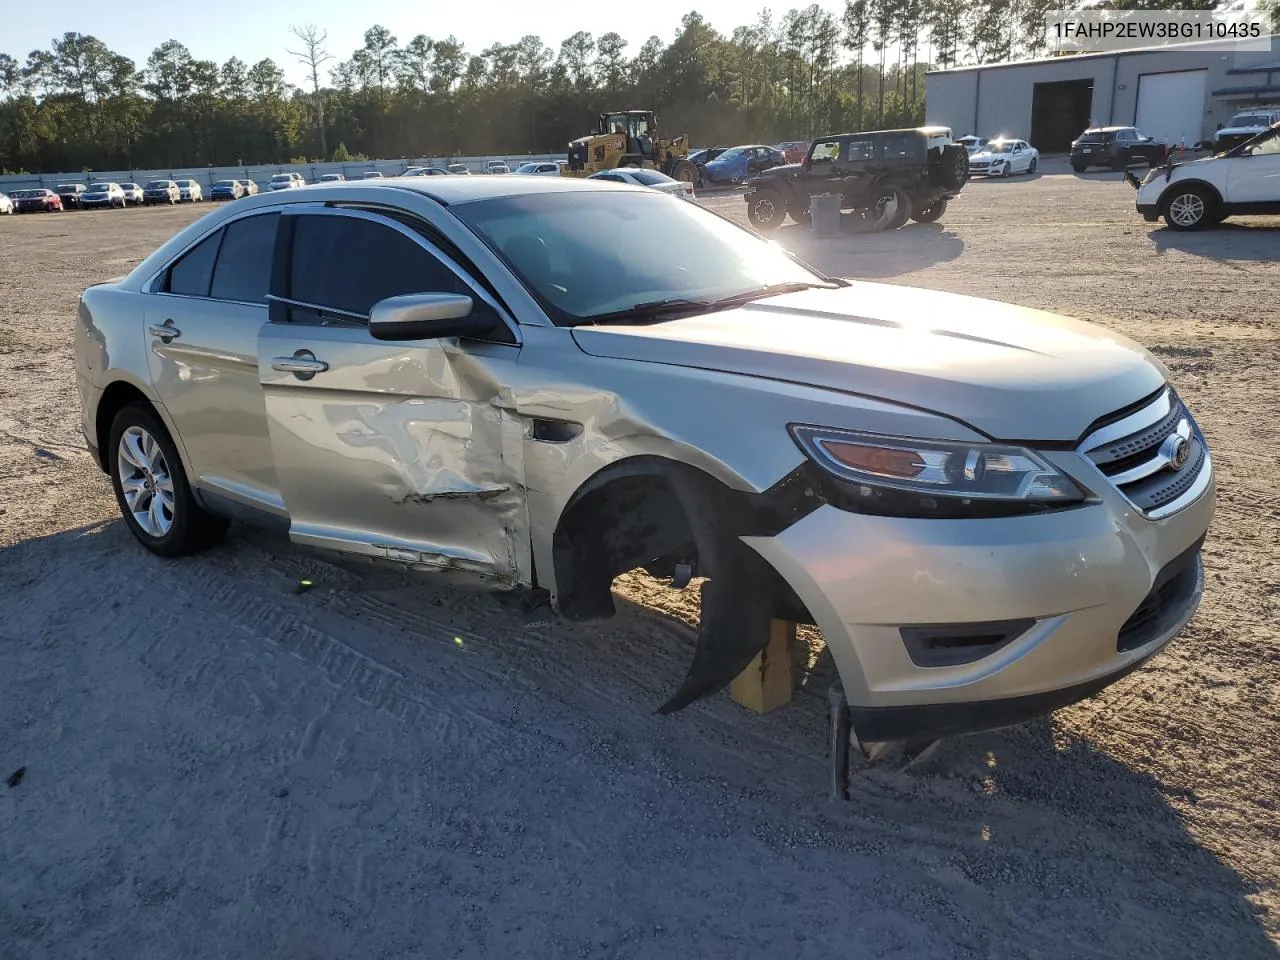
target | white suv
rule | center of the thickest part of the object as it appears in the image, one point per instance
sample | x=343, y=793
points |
x=1202, y=193
x=286, y=181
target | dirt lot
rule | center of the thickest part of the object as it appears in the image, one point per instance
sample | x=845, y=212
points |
x=219, y=766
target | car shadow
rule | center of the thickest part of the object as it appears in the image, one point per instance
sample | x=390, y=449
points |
x=1027, y=829
x=866, y=255
x=1224, y=243
x=1012, y=178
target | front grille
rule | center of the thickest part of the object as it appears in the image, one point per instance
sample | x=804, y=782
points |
x=1167, y=603
x=1155, y=455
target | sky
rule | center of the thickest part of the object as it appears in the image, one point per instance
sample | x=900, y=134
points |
x=252, y=30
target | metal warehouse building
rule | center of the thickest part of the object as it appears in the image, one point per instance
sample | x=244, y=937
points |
x=1179, y=94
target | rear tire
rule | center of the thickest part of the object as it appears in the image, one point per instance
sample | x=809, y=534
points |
x=686, y=171
x=1079, y=167
x=930, y=212
x=151, y=487
x=897, y=197
x=766, y=211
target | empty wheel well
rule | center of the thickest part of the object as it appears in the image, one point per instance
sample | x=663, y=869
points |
x=655, y=513
x=115, y=398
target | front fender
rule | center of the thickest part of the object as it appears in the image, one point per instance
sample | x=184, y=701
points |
x=584, y=413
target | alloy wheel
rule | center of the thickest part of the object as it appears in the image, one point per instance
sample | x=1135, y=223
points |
x=1186, y=210
x=146, y=482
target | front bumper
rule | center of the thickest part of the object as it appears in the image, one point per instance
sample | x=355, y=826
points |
x=1080, y=577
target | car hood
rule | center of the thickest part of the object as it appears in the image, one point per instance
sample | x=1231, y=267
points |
x=1011, y=372
x=1236, y=131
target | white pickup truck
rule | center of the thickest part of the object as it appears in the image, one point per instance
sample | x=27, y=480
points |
x=1245, y=125
x=1203, y=193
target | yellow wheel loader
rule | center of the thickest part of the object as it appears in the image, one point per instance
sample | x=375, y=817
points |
x=629, y=138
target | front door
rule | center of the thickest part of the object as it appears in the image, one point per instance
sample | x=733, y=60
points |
x=406, y=451
x=1254, y=176
x=202, y=336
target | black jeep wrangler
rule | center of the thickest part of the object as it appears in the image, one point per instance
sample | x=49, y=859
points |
x=885, y=176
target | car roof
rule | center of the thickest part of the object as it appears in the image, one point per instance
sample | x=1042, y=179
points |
x=454, y=190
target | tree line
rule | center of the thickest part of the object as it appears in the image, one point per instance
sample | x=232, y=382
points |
x=80, y=105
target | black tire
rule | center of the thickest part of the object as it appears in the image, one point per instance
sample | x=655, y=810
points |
x=1032, y=169
x=930, y=212
x=800, y=214
x=766, y=211
x=1079, y=167
x=1190, y=208
x=190, y=527
x=951, y=169
x=902, y=209
x=686, y=171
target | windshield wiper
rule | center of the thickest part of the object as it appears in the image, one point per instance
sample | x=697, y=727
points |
x=772, y=290
x=650, y=311
x=655, y=311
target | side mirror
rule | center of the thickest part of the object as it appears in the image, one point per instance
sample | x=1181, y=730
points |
x=425, y=316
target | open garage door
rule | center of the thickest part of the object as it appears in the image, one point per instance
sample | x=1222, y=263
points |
x=1059, y=113
x=1171, y=106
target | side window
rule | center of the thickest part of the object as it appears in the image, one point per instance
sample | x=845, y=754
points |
x=860, y=150
x=349, y=264
x=1267, y=148
x=192, y=274
x=1125, y=136
x=826, y=151
x=243, y=271
x=896, y=147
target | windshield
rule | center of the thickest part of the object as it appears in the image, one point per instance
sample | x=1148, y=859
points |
x=730, y=154
x=1095, y=138
x=583, y=254
x=281, y=178
x=68, y=187
x=649, y=177
x=1249, y=120
x=99, y=188
x=158, y=185
x=226, y=183
x=998, y=146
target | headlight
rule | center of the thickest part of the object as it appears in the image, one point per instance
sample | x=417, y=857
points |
x=935, y=478
x=1152, y=174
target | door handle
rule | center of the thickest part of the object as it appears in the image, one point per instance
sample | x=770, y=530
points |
x=298, y=365
x=165, y=331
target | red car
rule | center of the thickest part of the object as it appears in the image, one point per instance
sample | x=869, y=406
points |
x=35, y=201
x=793, y=150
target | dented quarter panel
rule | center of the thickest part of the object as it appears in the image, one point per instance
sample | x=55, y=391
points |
x=410, y=452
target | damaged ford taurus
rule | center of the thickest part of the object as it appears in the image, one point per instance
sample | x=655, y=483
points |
x=541, y=383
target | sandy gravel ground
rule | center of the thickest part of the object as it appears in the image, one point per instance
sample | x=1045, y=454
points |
x=385, y=767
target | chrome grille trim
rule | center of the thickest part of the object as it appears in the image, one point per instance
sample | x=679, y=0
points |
x=1148, y=416
x=1155, y=457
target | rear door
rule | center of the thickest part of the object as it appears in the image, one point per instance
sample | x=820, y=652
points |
x=409, y=451
x=202, y=323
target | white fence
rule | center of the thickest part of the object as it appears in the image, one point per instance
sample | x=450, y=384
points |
x=261, y=173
